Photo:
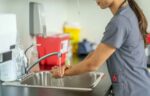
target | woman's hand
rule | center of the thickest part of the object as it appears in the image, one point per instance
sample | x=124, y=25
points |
x=58, y=71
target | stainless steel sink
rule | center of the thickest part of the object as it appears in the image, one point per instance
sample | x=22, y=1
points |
x=84, y=82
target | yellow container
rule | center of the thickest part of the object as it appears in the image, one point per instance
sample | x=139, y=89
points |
x=74, y=33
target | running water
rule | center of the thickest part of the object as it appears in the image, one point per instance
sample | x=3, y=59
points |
x=59, y=82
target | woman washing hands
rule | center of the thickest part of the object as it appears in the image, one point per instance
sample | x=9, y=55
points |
x=89, y=64
x=122, y=47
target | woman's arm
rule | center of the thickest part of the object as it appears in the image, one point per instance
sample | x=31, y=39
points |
x=89, y=55
x=93, y=62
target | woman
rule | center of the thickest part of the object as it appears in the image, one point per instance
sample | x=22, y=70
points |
x=122, y=47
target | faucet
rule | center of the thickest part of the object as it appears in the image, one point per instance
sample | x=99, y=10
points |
x=28, y=68
x=22, y=62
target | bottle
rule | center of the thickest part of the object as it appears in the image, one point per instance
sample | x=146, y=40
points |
x=20, y=61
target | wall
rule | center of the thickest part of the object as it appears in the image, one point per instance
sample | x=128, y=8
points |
x=92, y=19
x=146, y=9
x=20, y=8
x=55, y=14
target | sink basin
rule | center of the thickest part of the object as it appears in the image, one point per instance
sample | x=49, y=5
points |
x=84, y=82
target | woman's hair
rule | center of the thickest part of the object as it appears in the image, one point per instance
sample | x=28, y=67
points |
x=141, y=18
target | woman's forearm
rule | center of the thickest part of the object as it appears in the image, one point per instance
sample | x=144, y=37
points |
x=80, y=68
x=89, y=55
x=101, y=54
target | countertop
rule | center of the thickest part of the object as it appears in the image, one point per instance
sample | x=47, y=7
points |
x=101, y=89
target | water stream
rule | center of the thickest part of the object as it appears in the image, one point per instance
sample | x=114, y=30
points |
x=58, y=82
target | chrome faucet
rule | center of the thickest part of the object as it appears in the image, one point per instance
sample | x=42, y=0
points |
x=30, y=66
x=40, y=59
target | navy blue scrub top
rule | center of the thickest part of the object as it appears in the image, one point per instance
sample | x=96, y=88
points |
x=127, y=65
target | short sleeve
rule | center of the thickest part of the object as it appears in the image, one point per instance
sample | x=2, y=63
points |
x=115, y=33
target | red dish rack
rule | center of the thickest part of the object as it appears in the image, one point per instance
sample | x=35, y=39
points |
x=55, y=43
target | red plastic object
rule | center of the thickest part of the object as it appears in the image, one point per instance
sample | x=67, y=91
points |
x=148, y=38
x=55, y=43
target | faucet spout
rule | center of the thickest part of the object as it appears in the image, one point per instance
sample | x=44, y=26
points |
x=42, y=58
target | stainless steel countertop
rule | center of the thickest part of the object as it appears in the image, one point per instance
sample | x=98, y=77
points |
x=100, y=90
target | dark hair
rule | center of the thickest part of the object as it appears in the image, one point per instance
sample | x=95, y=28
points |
x=141, y=19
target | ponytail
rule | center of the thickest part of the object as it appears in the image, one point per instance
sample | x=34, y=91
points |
x=141, y=19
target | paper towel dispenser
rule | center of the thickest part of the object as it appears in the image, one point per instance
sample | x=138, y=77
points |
x=36, y=19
